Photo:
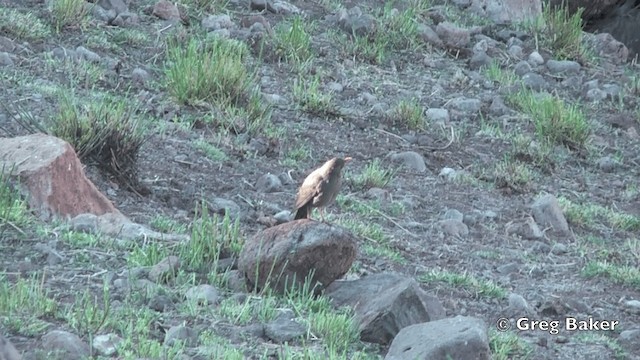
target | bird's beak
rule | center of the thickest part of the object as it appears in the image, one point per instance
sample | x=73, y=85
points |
x=348, y=158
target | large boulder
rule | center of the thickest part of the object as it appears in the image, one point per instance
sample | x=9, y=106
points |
x=51, y=177
x=7, y=350
x=286, y=254
x=460, y=338
x=384, y=304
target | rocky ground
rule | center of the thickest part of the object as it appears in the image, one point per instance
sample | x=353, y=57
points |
x=501, y=202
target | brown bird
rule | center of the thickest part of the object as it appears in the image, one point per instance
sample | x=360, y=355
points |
x=320, y=188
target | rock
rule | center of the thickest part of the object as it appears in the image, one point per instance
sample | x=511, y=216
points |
x=479, y=60
x=223, y=207
x=188, y=335
x=285, y=8
x=204, y=294
x=160, y=303
x=409, y=159
x=466, y=105
x=236, y=281
x=284, y=328
x=85, y=223
x=63, y=342
x=354, y=22
x=528, y=229
x=448, y=173
x=437, y=115
x=508, y=268
x=335, y=87
x=117, y=6
x=516, y=51
x=5, y=59
x=102, y=14
x=547, y=212
x=165, y=10
x=535, y=58
x=428, y=35
x=165, y=269
x=452, y=35
x=534, y=81
x=559, y=249
x=454, y=227
x=106, y=345
x=87, y=54
x=385, y=303
x=126, y=19
x=460, y=338
x=379, y=194
x=508, y=11
x=497, y=107
x=608, y=47
x=630, y=340
x=518, y=306
x=453, y=214
x=596, y=95
x=51, y=192
x=268, y=183
x=563, y=67
x=287, y=253
x=7, y=350
x=522, y=68
x=607, y=164
x=140, y=76
x=632, y=306
x=217, y=22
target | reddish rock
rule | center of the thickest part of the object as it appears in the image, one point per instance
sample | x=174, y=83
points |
x=290, y=252
x=51, y=177
x=165, y=10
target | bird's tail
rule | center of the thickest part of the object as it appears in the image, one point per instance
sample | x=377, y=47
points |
x=302, y=213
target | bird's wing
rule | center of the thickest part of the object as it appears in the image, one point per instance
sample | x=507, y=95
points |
x=311, y=187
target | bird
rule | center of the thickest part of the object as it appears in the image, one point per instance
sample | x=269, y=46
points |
x=320, y=188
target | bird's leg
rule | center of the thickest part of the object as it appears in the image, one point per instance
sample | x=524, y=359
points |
x=321, y=210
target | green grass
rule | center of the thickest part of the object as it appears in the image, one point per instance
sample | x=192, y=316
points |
x=628, y=275
x=513, y=174
x=561, y=32
x=378, y=242
x=409, y=113
x=311, y=97
x=14, y=212
x=593, y=216
x=293, y=41
x=207, y=6
x=507, y=345
x=26, y=305
x=211, y=151
x=23, y=26
x=476, y=287
x=66, y=13
x=593, y=337
x=555, y=121
x=373, y=175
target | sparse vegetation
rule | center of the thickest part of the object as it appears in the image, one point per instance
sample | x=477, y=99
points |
x=560, y=31
x=466, y=282
x=311, y=97
x=409, y=113
x=68, y=13
x=293, y=42
x=373, y=175
x=23, y=25
x=507, y=345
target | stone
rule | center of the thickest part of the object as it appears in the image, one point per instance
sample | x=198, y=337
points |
x=480, y=60
x=217, y=22
x=452, y=35
x=385, y=303
x=534, y=81
x=508, y=11
x=224, y=207
x=354, y=22
x=522, y=68
x=7, y=350
x=5, y=59
x=87, y=54
x=630, y=340
x=165, y=269
x=268, y=183
x=63, y=342
x=437, y=115
x=466, y=105
x=288, y=253
x=51, y=177
x=546, y=211
x=126, y=19
x=563, y=67
x=518, y=305
x=535, y=58
x=607, y=164
x=85, y=223
x=160, y=303
x=409, y=159
x=454, y=227
x=165, y=10
x=428, y=35
x=106, y=345
x=118, y=6
x=460, y=338
x=186, y=334
x=204, y=294
x=140, y=76
x=284, y=327
x=632, y=306
x=527, y=229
